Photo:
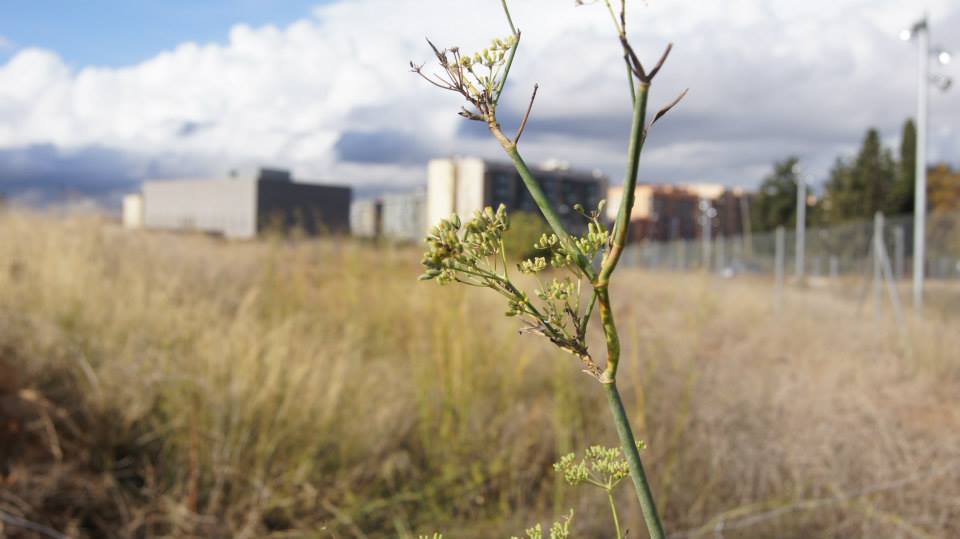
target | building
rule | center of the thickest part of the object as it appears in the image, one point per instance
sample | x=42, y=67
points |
x=664, y=212
x=133, y=211
x=396, y=216
x=404, y=216
x=366, y=218
x=465, y=185
x=242, y=206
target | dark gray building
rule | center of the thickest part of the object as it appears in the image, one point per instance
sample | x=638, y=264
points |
x=244, y=206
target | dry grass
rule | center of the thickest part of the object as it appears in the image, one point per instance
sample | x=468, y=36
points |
x=175, y=386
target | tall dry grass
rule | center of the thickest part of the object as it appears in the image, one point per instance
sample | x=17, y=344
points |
x=182, y=386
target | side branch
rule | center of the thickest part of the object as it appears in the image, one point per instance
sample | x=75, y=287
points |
x=633, y=61
x=662, y=112
x=540, y=198
x=526, y=116
x=663, y=58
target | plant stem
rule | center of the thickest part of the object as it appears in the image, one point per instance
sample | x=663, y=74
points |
x=613, y=509
x=622, y=32
x=533, y=186
x=506, y=10
x=609, y=333
x=629, y=445
x=513, y=53
x=629, y=183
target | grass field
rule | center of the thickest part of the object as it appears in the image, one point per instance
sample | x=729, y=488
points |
x=159, y=385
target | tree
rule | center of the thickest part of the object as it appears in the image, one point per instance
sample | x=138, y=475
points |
x=840, y=197
x=944, y=189
x=902, y=194
x=858, y=190
x=775, y=203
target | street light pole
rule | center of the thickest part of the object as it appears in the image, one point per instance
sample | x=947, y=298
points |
x=921, y=31
x=920, y=193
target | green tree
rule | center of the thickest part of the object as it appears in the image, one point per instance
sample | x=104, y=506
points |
x=944, y=188
x=901, y=196
x=857, y=190
x=775, y=203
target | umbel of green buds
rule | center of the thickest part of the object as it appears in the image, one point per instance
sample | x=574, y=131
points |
x=457, y=252
x=559, y=529
x=473, y=253
x=600, y=466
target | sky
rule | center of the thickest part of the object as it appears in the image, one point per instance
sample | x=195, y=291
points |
x=97, y=96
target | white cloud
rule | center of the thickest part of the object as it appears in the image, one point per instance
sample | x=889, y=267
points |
x=767, y=78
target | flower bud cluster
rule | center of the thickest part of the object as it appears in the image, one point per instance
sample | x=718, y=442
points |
x=533, y=265
x=594, y=241
x=560, y=256
x=472, y=253
x=597, y=238
x=557, y=290
x=456, y=248
x=603, y=467
x=608, y=462
x=559, y=529
x=478, y=77
x=492, y=56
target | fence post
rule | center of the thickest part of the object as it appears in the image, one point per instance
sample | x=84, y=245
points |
x=706, y=232
x=877, y=250
x=801, y=238
x=891, y=286
x=778, y=269
x=721, y=253
x=747, y=232
x=898, y=252
x=737, y=261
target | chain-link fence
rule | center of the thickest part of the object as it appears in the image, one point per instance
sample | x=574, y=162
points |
x=830, y=251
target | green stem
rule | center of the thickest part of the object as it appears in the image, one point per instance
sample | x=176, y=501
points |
x=513, y=53
x=533, y=186
x=613, y=15
x=588, y=314
x=613, y=509
x=609, y=333
x=629, y=184
x=629, y=445
x=622, y=32
x=509, y=18
x=633, y=89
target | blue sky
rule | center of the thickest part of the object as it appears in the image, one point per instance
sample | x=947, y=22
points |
x=122, y=32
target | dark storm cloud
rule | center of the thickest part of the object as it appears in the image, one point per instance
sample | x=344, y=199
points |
x=44, y=175
x=379, y=147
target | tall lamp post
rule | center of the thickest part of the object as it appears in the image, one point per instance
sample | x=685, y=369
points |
x=921, y=32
